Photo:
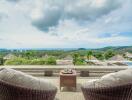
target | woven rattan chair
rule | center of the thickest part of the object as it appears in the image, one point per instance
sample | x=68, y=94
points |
x=12, y=92
x=9, y=91
x=122, y=92
x=113, y=86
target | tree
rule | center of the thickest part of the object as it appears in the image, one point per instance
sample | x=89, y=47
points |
x=80, y=62
x=89, y=54
x=75, y=58
x=50, y=61
x=29, y=54
x=99, y=55
x=108, y=54
x=1, y=61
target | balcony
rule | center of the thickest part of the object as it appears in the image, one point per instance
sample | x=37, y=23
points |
x=94, y=72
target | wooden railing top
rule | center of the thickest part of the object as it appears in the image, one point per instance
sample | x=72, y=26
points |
x=59, y=67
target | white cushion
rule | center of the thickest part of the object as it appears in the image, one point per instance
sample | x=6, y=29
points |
x=125, y=76
x=89, y=84
x=21, y=79
x=112, y=79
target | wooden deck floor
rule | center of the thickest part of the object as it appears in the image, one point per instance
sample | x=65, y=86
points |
x=69, y=93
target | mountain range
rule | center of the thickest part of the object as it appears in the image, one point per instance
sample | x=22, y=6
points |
x=120, y=49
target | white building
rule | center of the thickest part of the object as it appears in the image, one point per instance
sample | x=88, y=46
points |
x=117, y=58
x=68, y=60
x=128, y=55
x=9, y=56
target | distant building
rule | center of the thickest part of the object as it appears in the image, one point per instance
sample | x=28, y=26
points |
x=9, y=56
x=45, y=56
x=92, y=58
x=128, y=55
x=69, y=57
x=64, y=62
x=68, y=60
x=117, y=58
x=93, y=61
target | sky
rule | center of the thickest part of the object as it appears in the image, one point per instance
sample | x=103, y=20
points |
x=65, y=23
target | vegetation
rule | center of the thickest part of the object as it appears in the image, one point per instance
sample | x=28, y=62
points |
x=99, y=55
x=75, y=58
x=108, y=54
x=48, y=57
x=1, y=61
x=89, y=54
x=23, y=61
x=78, y=60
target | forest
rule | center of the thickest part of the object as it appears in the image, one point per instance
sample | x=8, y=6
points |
x=49, y=57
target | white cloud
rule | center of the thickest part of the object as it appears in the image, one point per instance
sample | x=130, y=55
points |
x=65, y=23
x=13, y=0
x=48, y=13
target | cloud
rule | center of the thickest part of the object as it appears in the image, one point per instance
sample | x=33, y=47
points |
x=1, y=39
x=13, y=0
x=48, y=13
x=91, y=9
x=65, y=23
x=2, y=16
x=48, y=19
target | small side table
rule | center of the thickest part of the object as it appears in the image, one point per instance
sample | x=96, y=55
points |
x=68, y=80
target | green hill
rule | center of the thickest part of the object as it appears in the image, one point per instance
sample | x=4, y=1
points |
x=120, y=49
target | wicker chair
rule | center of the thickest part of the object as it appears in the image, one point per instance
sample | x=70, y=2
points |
x=122, y=92
x=12, y=92
x=113, y=86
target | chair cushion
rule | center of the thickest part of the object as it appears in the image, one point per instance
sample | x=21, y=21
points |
x=21, y=79
x=112, y=79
